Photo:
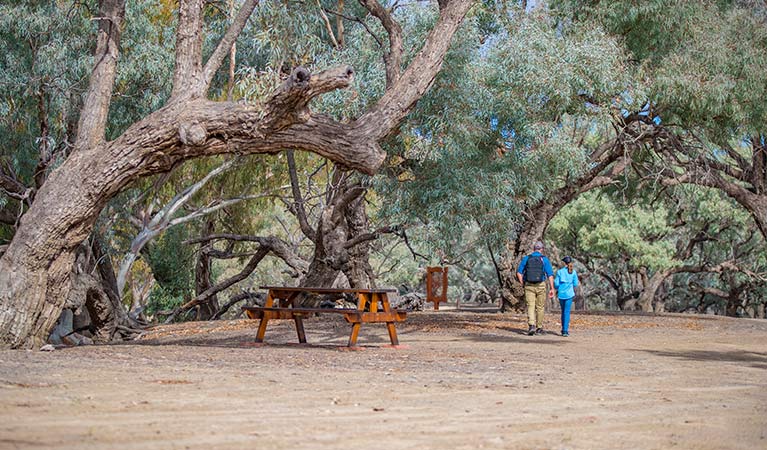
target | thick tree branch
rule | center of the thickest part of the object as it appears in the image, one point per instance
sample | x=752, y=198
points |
x=244, y=273
x=233, y=300
x=392, y=58
x=15, y=189
x=754, y=203
x=225, y=45
x=187, y=75
x=371, y=236
x=709, y=290
x=93, y=116
x=340, y=203
x=400, y=98
x=277, y=246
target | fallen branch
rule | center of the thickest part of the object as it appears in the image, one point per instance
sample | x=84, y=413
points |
x=244, y=273
x=233, y=301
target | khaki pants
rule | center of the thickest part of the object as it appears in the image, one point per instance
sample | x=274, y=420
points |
x=535, y=296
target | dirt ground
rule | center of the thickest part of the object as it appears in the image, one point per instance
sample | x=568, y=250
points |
x=464, y=380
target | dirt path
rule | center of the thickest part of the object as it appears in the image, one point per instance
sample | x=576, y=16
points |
x=465, y=381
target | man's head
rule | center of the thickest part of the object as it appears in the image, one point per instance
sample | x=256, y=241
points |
x=538, y=246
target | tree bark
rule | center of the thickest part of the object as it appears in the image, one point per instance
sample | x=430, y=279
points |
x=203, y=277
x=93, y=116
x=650, y=288
x=331, y=257
x=359, y=272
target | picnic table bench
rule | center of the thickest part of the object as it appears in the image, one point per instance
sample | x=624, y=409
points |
x=287, y=307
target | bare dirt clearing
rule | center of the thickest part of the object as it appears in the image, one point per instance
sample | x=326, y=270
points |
x=465, y=380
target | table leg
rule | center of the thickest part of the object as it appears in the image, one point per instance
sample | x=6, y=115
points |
x=362, y=301
x=389, y=325
x=353, y=336
x=300, y=329
x=262, y=325
x=261, y=329
x=392, y=333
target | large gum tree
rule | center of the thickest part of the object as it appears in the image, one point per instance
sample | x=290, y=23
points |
x=36, y=267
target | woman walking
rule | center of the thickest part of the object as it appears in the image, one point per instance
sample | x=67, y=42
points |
x=565, y=283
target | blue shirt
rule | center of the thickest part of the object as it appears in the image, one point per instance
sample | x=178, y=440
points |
x=565, y=283
x=546, y=265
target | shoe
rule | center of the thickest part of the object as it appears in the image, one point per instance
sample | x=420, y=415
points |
x=565, y=334
x=531, y=330
x=539, y=331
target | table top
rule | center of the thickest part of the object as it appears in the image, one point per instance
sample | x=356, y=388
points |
x=319, y=290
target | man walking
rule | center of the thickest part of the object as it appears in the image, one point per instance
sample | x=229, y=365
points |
x=533, y=272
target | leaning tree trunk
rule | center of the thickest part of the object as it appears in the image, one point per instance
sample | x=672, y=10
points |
x=607, y=162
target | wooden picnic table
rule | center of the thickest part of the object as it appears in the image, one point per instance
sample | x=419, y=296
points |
x=287, y=307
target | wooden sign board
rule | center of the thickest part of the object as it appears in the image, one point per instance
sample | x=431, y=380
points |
x=436, y=285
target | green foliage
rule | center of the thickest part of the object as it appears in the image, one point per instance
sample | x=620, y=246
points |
x=163, y=299
x=628, y=237
x=623, y=240
x=172, y=263
x=44, y=63
x=509, y=118
x=701, y=62
x=145, y=66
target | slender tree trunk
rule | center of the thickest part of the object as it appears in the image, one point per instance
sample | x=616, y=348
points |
x=340, y=24
x=734, y=303
x=203, y=275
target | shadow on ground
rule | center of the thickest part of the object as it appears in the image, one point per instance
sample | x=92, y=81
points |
x=752, y=359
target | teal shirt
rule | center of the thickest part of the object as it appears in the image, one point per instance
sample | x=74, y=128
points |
x=565, y=283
